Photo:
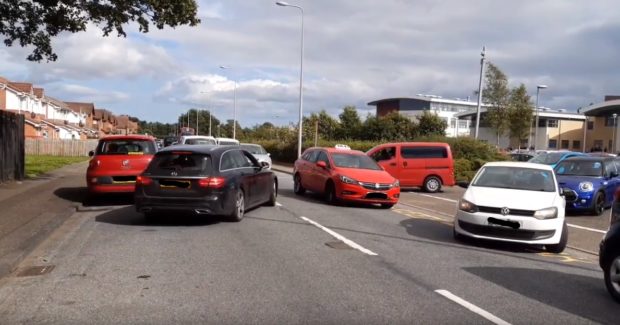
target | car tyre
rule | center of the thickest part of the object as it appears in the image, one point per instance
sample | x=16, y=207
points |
x=612, y=276
x=239, y=208
x=297, y=187
x=598, y=204
x=330, y=194
x=149, y=216
x=559, y=247
x=432, y=184
x=273, y=195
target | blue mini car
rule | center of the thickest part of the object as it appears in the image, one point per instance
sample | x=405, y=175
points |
x=554, y=157
x=591, y=182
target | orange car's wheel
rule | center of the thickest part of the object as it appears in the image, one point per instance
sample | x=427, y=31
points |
x=330, y=194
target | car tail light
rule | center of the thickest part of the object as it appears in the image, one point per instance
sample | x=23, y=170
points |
x=143, y=180
x=212, y=182
x=94, y=163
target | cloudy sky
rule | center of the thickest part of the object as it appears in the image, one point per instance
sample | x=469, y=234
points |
x=356, y=51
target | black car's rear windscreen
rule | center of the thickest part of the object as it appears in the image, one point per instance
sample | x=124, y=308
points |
x=180, y=164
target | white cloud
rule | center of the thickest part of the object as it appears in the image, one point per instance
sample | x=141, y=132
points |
x=80, y=93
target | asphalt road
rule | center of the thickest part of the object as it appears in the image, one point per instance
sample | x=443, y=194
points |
x=300, y=262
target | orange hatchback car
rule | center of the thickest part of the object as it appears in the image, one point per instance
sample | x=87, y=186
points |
x=341, y=174
x=117, y=161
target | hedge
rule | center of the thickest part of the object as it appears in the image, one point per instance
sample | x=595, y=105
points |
x=469, y=154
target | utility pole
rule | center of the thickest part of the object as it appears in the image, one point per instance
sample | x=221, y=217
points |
x=480, y=91
x=196, y=121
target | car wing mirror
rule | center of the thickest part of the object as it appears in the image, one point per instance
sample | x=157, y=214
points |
x=321, y=164
x=91, y=153
x=463, y=184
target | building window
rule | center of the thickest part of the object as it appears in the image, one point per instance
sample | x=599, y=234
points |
x=553, y=144
x=463, y=124
x=590, y=125
x=609, y=121
x=565, y=144
x=552, y=123
x=576, y=144
x=541, y=123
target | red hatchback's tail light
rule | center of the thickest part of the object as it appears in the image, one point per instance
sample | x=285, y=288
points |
x=143, y=180
x=212, y=182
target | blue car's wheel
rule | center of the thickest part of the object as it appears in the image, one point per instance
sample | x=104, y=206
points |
x=598, y=204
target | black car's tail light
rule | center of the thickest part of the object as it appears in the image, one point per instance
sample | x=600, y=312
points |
x=143, y=180
x=212, y=182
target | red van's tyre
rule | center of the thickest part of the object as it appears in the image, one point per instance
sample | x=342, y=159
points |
x=432, y=184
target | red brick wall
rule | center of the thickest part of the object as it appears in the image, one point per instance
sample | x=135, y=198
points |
x=30, y=131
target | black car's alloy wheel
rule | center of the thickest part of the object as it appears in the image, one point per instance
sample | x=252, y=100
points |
x=273, y=195
x=612, y=277
x=239, y=208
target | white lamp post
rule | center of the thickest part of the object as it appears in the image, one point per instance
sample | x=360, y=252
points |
x=234, y=104
x=538, y=88
x=613, y=140
x=209, y=108
x=301, y=76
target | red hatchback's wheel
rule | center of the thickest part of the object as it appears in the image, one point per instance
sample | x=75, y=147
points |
x=330, y=194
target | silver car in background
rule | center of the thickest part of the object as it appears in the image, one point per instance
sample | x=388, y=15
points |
x=263, y=157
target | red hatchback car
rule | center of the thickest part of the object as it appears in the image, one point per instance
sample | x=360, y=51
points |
x=117, y=161
x=344, y=175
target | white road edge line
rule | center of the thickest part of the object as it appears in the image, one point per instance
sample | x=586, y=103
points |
x=278, y=204
x=438, y=198
x=472, y=307
x=570, y=224
x=340, y=237
x=586, y=228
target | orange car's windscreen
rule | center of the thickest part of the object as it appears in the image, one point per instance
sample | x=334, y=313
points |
x=347, y=160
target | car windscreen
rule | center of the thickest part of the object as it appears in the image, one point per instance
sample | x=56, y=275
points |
x=348, y=160
x=200, y=141
x=579, y=168
x=516, y=178
x=228, y=143
x=254, y=149
x=180, y=163
x=126, y=147
x=548, y=158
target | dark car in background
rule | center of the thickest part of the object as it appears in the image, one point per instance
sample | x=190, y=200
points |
x=521, y=156
x=553, y=158
x=592, y=180
x=169, y=140
x=609, y=251
x=204, y=180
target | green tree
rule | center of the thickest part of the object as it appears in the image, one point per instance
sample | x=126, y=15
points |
x=350, y=124
x=430, y=124
x=35, y=22
x=392, y=127
x=519, y=114
x=496, y=94
x=327, y=126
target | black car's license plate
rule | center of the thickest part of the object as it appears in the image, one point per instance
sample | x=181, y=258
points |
x=174, y=184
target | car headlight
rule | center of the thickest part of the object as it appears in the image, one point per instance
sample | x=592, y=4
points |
x=586, y=187
x=548, y=213
x=396, y=184
x=348, y=180
x=467, y=206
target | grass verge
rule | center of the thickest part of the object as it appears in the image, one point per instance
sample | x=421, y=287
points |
x=37, y=165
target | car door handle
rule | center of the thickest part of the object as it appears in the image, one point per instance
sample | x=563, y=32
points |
x=393, y=164
x=405, y=163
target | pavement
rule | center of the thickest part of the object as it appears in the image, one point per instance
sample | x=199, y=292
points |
x=283, y=168
x=32, y=209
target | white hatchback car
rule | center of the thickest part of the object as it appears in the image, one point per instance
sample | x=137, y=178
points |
x=516, y=202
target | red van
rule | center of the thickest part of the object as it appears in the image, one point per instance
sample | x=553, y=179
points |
x=428, y=165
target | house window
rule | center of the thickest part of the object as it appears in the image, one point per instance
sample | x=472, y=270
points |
x=553, y=144
x=565, y=144
x=576, y=144
x=552, y=123
x=541, y=123
x=590, y=125
x=609, y=121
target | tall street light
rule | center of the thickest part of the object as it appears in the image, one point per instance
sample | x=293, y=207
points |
x=613, y=140
x=480, y=91
x=209, y=108
x=234, y=103
x=301, y=76
x=538, y=88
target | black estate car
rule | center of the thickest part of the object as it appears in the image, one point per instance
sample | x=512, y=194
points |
x=205, y=180
x=609, y=252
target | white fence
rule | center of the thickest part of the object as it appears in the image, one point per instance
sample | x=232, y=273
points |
x=56, y=147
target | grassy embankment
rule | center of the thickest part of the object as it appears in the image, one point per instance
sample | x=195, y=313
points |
x=37, y=165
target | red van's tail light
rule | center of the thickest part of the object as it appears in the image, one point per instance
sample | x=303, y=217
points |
x=212, y=182
x=143, y=180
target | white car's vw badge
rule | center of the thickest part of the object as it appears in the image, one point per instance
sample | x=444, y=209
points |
x=505, y=211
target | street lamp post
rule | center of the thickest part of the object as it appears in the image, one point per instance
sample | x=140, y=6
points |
x=234, y=104
x=613, y=140
x=479, y=92
x=301, y=76
x=209, y=109
x=538, y=88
